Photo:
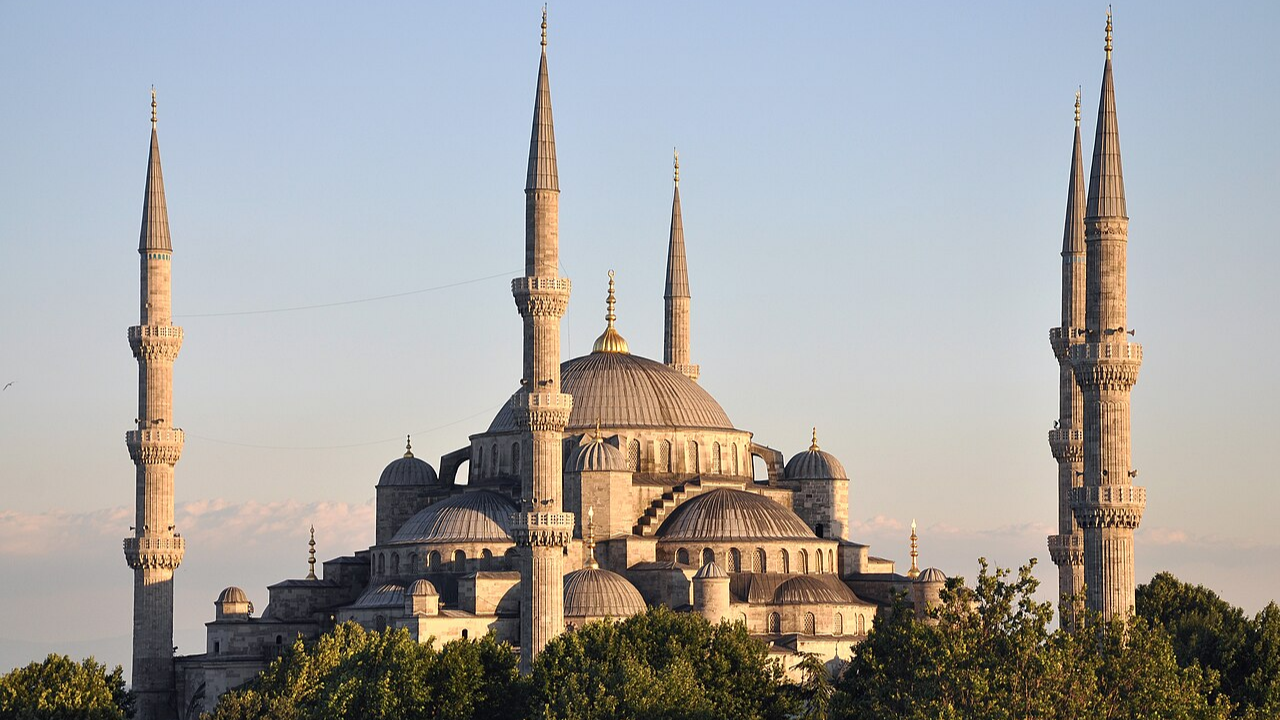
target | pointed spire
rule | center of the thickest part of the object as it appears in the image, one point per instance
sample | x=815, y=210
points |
x=311, y=561
x=1106, y=178
x=813, y=446
x=1073, y=231
x=915, y=552
x=408, y=446
x=543, y=174
x=155, y=214
x=675, y=344
x=677, y=268
x=590, y=560
x=610, y=341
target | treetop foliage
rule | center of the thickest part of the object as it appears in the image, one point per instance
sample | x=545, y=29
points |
x=61, y=689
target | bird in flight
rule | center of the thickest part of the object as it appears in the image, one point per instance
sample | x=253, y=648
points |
x=6, y=387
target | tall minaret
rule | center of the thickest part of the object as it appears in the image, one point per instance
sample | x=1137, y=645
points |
x=155, y=550
x=540, y=529
x=1108, y=507
x=1066, y=439
x=675, y=346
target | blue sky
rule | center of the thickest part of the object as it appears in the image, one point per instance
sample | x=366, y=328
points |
x=873, y=201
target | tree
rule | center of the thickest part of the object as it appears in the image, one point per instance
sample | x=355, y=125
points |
x=658, y=664
x=59, y=688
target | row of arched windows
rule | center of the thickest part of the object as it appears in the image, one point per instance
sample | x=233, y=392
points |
x=497, y=465
x=665, y=461
x=809, y=624
x=823, y=560
x=433, y=561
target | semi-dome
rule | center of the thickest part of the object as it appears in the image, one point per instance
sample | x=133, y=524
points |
x=931, y=575
x=232, y=594
x=727, y=514
x=814, y=464
x=377, y=596
x=422, y=587
x=408, y=470
x=628, y=391
x=596, y=592
x=476, y=516
x=814, y=590
x=595, y=455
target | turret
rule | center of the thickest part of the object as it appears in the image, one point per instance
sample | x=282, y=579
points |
x=711, y=592
x=822, y=490
x=675, y=347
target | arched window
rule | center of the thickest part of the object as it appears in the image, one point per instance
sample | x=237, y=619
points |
x=735, y=458
x=413, y=563
x=486, y=558
x=819, y=556
x=758, y=562
x=217, y=647
x=380, y=623
x=279, y=639
x=479, y=465
x=819, y=530
x=708, y=556
x=459, y=558
x=382, y=563
x=775, y=623
x=786, y=561
x=742, y=618
x=433, y=560
x=515, y=458
x=493, y=461
x=810, y=624
x=839, y=624
x=633, y=456
x=715, y=458
x=664, y=456
x=735, y=560
x=862, y=626
x=682, y=556
x=395, y=563
x=695, y=462
x=464, y=633
x=804, y=561
x=831, y=562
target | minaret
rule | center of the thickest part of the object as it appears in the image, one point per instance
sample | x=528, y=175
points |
x=1108, y=507
x=915, y=552
x=1066, y=439
x=155, y=550
x=541, y=530
x=675, y=346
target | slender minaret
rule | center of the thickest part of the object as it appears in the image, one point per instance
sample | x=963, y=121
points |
x=1066, y=439
x=675, y=346
x=1108, y=507
x=541, y=530
x=155, y=550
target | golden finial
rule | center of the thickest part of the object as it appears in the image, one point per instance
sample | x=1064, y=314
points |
x=1108, y=32
x=408, y=446
x=544, y=24
x=153, y=107
x=677, y=154
x=813, y=446
x=597, y=434
x=311, y=561
x=610, y=341
x=1077, y=107
x=591, y=539
x=915, y=553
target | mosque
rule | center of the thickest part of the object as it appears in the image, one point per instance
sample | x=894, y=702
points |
x=606, y=484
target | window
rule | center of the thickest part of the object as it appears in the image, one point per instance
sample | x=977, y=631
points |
x=810, y=624
x=633, y=456
x=682, y=556
x=735, y=458
x=459, y=558
x=464, y=633
x=758, y=562
x=395, y=563
x=775, y=623
x=664, y=456
x=819, y=530
x=279, y=639
x=831, y=562
x=839, y=624
x=735, y=560
x=804, y=561
x=493, y=461
x=433, y=560
x=515, y=458
x=479, y=468
x=695, y=463
x=708, y=556
x=715, y=458
x=786, y=562
x=413, y=563
x=862, y=627
x=819, y=556
x=486, y=558
x=217, y=647
x=382, y=564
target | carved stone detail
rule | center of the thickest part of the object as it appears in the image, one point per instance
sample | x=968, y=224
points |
x=154, y=552
x=542, y=412
x=155, y=447
x=534, y=529
x=1109, y=506
x=1066, y=549
x=1067, y=444
x=541, y=297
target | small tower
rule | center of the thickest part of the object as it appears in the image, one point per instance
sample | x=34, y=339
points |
x=1108, y=507
x=822, y=490
x=915, y=551
x=1066, y=439
x=711, y=592
x=541, y=529
x=675, y=346
x=155, y=550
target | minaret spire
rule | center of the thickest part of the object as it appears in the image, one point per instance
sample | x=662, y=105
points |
x=676, y=297
x=1066, y=439
x=915, y=551
x=1108, y=507
x=155, y=550
x=541, y=529
x=311, y=555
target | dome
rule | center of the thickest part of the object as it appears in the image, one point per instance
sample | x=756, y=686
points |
x=710, y=571
x=813, y=590
x=422, y=587
x=232, y=594
x=476, y=516
x=628, y=391
x=931, y=575
x=377, y=596
x=595, y=592
x=407, y=470
x=814, y=464
x=596, y=455
x=725, y=514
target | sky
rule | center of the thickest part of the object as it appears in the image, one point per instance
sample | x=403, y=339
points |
x=873, y=203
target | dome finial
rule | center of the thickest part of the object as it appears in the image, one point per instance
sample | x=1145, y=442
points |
x=677, y=164
x=813, y=446
x=596, y=436
x=1077, y=106
x=153, y=107
x=311, y=561
x=610, y=341
x=408, y=446
x=1108, y=32
x=591, y=539
x=544, y=24
x=915, y=552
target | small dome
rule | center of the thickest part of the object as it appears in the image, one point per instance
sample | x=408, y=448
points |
x=595, y=592
x=813, y=590
x=710, y=571
x=814, y=464
x=476, y=516
x=408, y=470
x=931, y=575
x=422, y=587
x=232, y=594
x=727, y=514
x=377, y=596
x=596, y=455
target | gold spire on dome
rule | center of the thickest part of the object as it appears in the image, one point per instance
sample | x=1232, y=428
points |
x=915, y=552
x=544, y=24
x=677, y=163
x=311, y=561
x=590, y=561
x=610, y=341
x=408, y=446
x=1108, y=32
x=1077, y=107
x=153, y=107
x=813, y=446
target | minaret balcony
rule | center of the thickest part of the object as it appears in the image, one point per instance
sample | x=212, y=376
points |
x=1066, y=549
x=542, y=528
x=155, y=551
x=155, y=342
x=1109, y=349
x=1061, y=338
x=547, y=411
x=541, y=296
x=155, y=446
x=1066, y=443
x=138, y=332
x=1108, y=506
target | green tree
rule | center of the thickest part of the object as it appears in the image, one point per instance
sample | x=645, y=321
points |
x=1203, y=628
x=659, y=664
x=60, y=688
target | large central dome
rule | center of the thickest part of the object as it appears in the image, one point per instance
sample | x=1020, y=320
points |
x=629, y=391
